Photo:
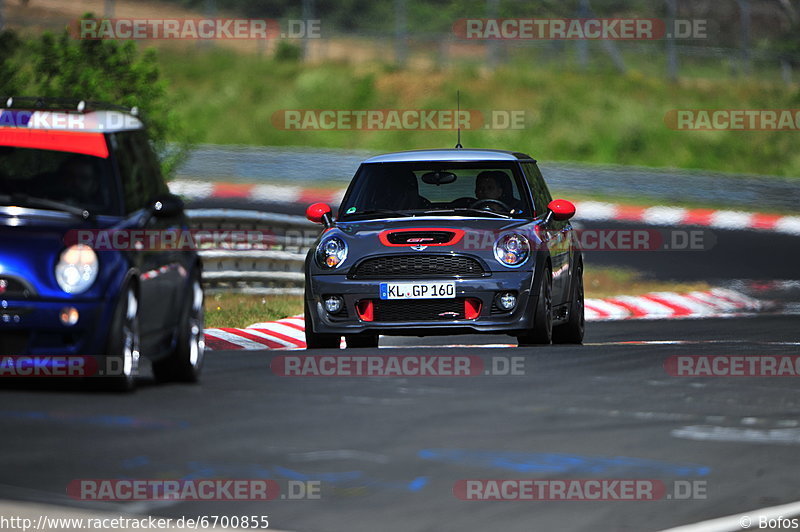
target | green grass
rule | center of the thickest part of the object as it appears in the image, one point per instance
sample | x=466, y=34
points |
x=241, y=310
x=594, y=117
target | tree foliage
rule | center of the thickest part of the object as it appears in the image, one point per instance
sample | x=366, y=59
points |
x=60, y=66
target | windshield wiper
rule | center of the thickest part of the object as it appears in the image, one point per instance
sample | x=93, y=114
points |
x=31, y=201
x=467, y=209
x=376, y=211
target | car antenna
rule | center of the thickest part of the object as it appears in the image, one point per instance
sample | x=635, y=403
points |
x=458, y=119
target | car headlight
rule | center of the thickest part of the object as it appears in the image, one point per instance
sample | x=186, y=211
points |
x=331, y=252
x=76, y=269
x=512, y=249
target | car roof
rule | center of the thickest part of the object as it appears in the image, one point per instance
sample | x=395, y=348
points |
x=101, y=121
x=451, y=155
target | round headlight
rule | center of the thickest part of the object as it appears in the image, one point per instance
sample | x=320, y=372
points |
x=512, y=249
x=331, y=252
x=76, y=269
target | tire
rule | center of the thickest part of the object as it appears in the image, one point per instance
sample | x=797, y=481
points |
x=572, y=331
x=123, y=342
x=315, y=340
x=185, y=363
x=542, y=331
x=355, y=341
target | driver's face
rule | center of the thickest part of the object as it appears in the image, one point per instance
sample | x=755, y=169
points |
x=487, y=188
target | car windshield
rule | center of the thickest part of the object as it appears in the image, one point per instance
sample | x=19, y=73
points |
x=78, y=180
x=470, y=189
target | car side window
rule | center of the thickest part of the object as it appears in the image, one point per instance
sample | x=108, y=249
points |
x=541, y=195
x=131, y=171
x=154, y=181
x=138, y=166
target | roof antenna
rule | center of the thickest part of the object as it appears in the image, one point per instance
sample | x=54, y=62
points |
x=458, y=119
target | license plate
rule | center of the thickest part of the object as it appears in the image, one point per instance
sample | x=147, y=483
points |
x=418, y=290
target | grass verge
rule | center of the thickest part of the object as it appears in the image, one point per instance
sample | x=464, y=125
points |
x=595, y=117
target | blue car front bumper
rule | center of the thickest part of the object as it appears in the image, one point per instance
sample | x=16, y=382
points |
x=33, y=327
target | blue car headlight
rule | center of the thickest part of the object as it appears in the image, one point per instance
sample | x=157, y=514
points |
x=512, y=249
x=77, y=269
x=331, y=252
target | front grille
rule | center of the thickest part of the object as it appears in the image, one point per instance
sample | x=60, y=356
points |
x=417, y=266
x=419, y=310
x=13, y=288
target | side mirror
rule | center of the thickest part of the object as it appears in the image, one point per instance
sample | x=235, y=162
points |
x=562, y=209
x=167, y=206
x=319, y=213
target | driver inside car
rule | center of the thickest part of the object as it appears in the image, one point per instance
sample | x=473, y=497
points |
x=496, y=185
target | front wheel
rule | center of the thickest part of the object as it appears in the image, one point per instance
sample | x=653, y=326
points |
x=318, y=340
x=542, y=331
x=572, y=331
x=123, y=343
x=185, y=363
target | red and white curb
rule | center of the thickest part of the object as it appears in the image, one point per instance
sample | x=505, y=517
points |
x=714, y=303
x=586, y=210
x=198, y=190
x=289, y=333
x=672, y=216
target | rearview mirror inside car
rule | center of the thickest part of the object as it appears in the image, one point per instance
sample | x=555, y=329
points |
x=438, y=178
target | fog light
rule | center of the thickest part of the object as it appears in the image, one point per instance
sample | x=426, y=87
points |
x=507, y=301
x=69, y=315
x=333, y=304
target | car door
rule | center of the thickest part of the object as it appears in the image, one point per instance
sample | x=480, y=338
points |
x=558, y=234
x=160, y=273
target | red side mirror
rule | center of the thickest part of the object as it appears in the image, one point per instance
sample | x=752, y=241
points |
x=562, y=209
x=319, y=213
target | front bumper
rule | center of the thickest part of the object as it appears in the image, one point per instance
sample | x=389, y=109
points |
x=490, y=319
x=33, y=327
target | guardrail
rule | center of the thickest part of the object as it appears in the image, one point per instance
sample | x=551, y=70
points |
x=269, y=263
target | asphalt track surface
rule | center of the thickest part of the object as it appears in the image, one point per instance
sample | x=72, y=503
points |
x=387, y=451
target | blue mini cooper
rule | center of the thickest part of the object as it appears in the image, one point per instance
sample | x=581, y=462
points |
x=81, y=168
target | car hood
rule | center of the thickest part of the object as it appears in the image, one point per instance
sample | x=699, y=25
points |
x=367, y=228
x=457, y=235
